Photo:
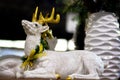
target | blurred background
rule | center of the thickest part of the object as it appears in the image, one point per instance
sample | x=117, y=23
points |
x=12, y=12
x=69, y=31
x=12, y=35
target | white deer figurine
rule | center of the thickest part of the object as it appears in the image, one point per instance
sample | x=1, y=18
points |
x=79, y=64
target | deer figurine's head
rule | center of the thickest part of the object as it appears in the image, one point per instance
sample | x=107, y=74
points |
x=36, y=26
x=33, y=28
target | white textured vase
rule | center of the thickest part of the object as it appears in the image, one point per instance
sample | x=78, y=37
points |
x=102, y=37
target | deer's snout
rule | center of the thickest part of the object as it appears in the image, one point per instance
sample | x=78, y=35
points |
x=24, y=22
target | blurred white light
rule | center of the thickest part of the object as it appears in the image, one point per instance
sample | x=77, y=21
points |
x=61, y=45
x=94, y=0
x=12, y=44
x=71, y=22
x=71, y=45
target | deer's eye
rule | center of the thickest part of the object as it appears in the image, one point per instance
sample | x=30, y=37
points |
x=36, y=25
x=43, y=24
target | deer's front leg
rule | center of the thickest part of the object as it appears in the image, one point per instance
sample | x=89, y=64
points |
x=40, y=73
x=44, y=69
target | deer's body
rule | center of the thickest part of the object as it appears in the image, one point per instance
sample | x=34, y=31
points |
x=75, y=64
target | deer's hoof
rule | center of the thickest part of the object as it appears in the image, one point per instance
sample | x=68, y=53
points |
x=57, y=76
x=69, y=78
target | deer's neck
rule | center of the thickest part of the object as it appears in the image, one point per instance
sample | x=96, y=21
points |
x=31, y=42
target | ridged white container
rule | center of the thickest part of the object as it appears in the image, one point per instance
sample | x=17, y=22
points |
x=102, y=38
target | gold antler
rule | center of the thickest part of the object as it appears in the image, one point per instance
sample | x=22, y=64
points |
x=43, y=20
x=34, y=18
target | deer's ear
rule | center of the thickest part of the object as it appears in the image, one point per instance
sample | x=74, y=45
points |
x=44, y=28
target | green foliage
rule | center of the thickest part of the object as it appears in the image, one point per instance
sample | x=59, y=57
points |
x=75, y=6
x=23, y=58
x=44, y=43
x=37, y=49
